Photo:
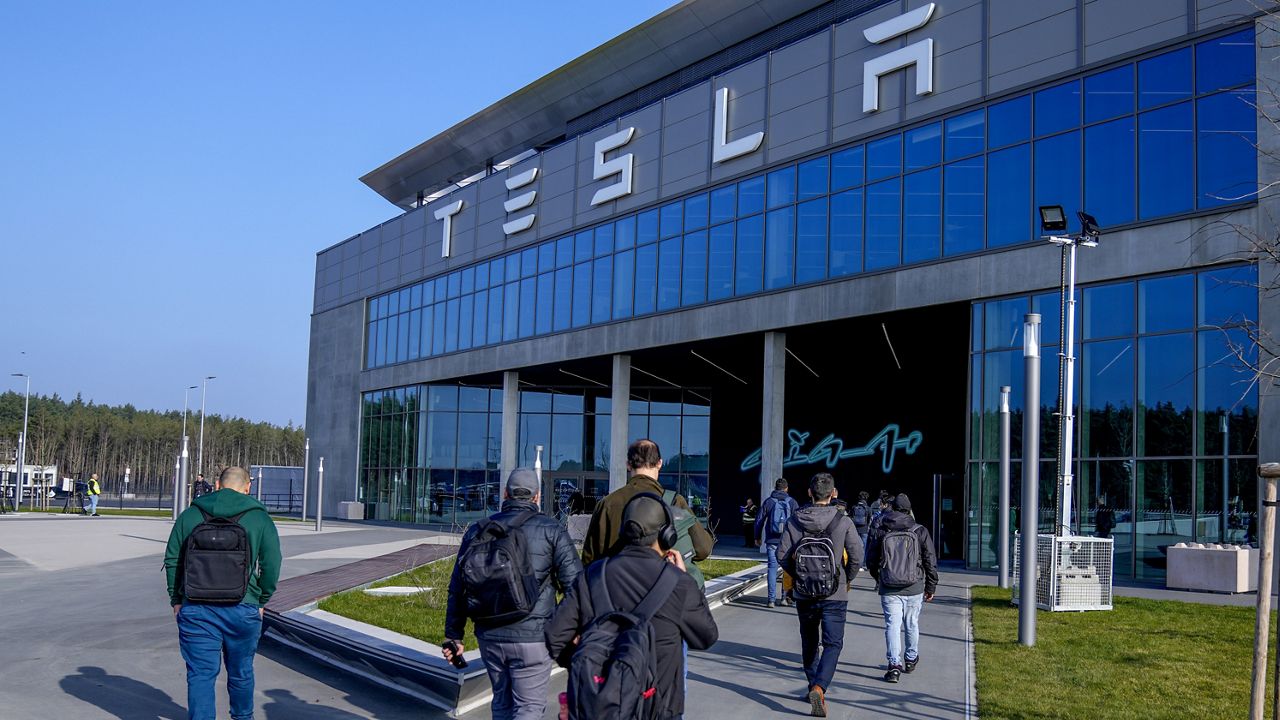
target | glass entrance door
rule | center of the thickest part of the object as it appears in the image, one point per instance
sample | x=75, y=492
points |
x=572, y=493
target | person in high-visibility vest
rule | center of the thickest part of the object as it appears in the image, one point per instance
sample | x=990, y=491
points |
x=94, y=491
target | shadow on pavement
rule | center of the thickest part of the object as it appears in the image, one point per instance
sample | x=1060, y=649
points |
x=375, y=701
x=123, y=697
x=285, y=705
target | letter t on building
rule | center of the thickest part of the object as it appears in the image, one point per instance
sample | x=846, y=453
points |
x=919, y=54
x=446, y=214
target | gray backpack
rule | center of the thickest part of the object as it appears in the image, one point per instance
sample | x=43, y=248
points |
x=900, y=559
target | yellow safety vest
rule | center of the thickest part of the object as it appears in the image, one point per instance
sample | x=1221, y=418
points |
x=94, y=487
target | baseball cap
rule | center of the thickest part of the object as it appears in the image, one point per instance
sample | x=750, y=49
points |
x=522, y=482
x=643, y=517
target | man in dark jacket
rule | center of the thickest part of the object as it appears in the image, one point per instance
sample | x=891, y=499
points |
x=515, y=654
x=901, y=600
x=632, y=570
x=822, y=618
x=209, y=634
x=780, y=506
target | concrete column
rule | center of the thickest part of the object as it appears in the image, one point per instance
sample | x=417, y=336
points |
x=510, y=427
x=619, y=421
x=772, y=429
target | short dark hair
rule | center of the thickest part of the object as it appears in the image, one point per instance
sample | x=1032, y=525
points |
x=780, y=484
x=643, y=453
x=821, y=486
x=863, y=496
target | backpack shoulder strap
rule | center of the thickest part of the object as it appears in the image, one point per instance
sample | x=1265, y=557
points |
x=669, y=497
x=520, y=519
x=204, y=514
x=831, y=526
x=236, y=518
x=597, y=589
x=658, y=594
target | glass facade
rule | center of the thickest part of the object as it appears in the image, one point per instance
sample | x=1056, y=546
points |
x=1166, y=135
x=1166, y=413
x=431, y=453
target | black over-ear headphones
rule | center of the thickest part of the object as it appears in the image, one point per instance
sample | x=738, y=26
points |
x=667, y=536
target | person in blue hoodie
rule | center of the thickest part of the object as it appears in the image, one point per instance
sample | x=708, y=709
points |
x=771, y=522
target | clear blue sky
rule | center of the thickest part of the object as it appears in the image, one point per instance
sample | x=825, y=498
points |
x=168, y=172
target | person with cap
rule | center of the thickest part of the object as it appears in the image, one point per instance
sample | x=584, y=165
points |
x=647, y=535
x=512, y=648
x=902, y=559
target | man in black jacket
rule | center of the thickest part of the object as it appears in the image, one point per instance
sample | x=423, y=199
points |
x=515, y=654
x=683, y=618
x=901, y=598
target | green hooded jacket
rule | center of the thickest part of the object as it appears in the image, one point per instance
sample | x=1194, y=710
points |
x=264, y=542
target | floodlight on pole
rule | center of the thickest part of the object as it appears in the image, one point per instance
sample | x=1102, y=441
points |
x=22, y=442
x=200, y=451
x=1053, y=223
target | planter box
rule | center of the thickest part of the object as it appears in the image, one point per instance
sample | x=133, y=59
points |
x=1212, y=567
x=350, y=511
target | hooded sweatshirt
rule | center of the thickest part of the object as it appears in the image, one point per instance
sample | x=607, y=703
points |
x=812, y=520
x=264, y=542
x=893, y=521
x=763, y=518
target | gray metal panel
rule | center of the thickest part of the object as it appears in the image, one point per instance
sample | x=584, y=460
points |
x=1218, y=12
x=850, y=50
x=1032, y=51
x=798, y=130
x=1009, y=15
x=686, y=140
x=556, y=185
x=747, y=106
x=646, y=145
x=1116, y=27
x=584, y=212
x=333, y=402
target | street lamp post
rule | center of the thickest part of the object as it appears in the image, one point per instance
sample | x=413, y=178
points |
x=22, y=442
x=200, y=451
x=1028, y=592
x=186, y=395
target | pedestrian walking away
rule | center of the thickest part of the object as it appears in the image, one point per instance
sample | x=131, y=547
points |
x=94, y=489
x=901, y=557
x=861, y=517
x=622, y=629
x=222, y=563
x=505, y=580
x=821, y=551
x=771, y=523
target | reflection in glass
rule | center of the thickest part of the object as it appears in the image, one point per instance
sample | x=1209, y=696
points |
x=1227, y=389
x=1166, y=384
x=1226, y=137
x=962, y=224
x=1107, y=490
x=846, y=233
x=1109, y=172
x=965, y=134
x=884, y=224
x=779, y=253
x=922, y=221
x=582, y=294
x=1108, y=94
x=846, y=168
x=811, y=241
x=884, y=157
x=923, y=146
x=1057, y=175
x=1163, y=515
x=1165, y=162
x=1009, y=211
x=1108, y=310
x=1240, y=501
x=693, y=285
x=749, y=273
x=1058, y=108
x=1164, y=78
x=1106, y=398
x=669, y=274
x=562, y=310
x=1166, y=303
x=720, y=262
x=646, y=279
x=624, y=269
x=1228, y=296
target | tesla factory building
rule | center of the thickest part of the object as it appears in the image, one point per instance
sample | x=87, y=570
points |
x=788, y=237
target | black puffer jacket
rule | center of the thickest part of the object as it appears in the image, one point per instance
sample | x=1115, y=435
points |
x=551, y=553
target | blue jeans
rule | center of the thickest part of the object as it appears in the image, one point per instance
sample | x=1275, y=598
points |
x=901, y=611
x=821, y=623
x=93, y=504
x=772, y=549
x=208, y=635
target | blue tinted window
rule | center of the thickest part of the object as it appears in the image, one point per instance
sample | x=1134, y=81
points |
x=751, y=196
x=441, y=283
x=495, y=314
x=455, y=278
x=1108, y=94
x=965, y=134
x=415, y=328
x=646, y=278
x=482, y=277
x=749, y=271
x=510, y=312
x=402, y=347
x=846, y=233
x=581, y=294
x=1004, y=322
x=693, y=285
x=813, y=178
x=1009, y=122
x=528, y=265
x=624, y=232
x=922, y=216
x=546, y=257
x=564, y=251
x=528, y=305
x=624, y=270
x=513, y=271
x=604, y=240
x=546, y=303
x=723, y=203
x=779, y=248
x=1057, y=174
x=1058, y=108
x=468, y=285
x=1108, y=311
x=481, y=318
x=438, y=335
x=1225, y=62
x=781, y=186
x=846, y=168
x=647, y=227
x=1009, y=199
x=1167, y=303
x=811, y=241
x=883, y=224
x=720, y=263
x=562, y=314
x=602, y=290
x=1164, y=78
x=884, y=157
x=962, y=224
x=669, y=274
x=1165, y=162
x=1228, y=296
x=1109, y=172
x=695, y=212
x=1226, y=133
x=672, y=219
x=923, y=146
x=584, y=245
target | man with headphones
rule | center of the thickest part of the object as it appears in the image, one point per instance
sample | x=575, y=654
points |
x=645, y=548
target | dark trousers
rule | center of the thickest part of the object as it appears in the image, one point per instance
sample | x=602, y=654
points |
x=821, y=625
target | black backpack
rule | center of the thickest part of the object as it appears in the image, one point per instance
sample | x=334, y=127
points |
x=816, y=563
x=501, y=587
x=613, y=674
x=860, y=515
x=216, y=561
x=900, y=559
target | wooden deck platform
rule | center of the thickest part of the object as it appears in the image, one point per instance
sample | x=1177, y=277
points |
x=298, y=591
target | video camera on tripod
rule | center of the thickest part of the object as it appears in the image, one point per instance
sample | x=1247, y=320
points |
x=77, y=497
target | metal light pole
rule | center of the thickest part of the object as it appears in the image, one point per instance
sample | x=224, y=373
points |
x=320, y=496
x=177, y=487
x=124, y=491
x=1028, y=593
x=186, y=394
x=200, y=452
x=259, y=483
x=1003, y=524
x=1226, y=494
x=548, y=499
x=306, y=466
x=22, y=443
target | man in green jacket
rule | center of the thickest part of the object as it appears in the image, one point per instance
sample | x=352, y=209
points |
x=209, y=633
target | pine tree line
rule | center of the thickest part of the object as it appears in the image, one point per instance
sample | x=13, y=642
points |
x=82, y=438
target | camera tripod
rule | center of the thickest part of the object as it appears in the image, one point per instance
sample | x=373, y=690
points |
x=74, y=504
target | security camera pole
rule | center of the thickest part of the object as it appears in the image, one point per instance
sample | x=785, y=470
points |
x=1053, y=222
x=1028, y=590
x=1003, y=523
